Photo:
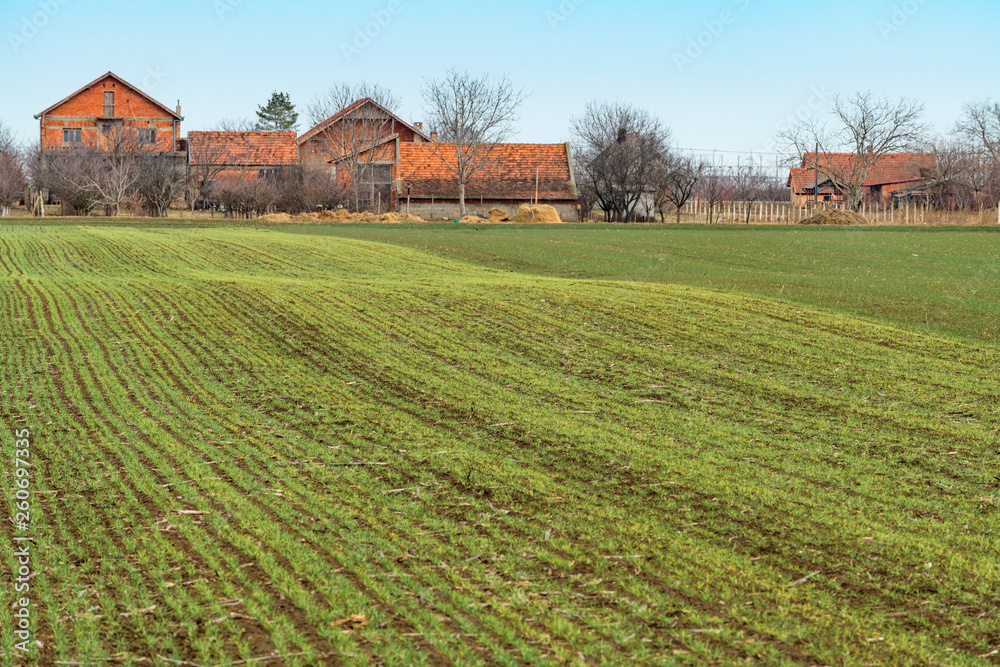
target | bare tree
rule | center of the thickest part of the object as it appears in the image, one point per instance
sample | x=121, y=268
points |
x=305, y=189
x=471, y=115
x=160, y=182
x=355, y=139
x=713, y=188
x=119, y=171
x=676, y=184
x=623, y=148
x=945, y=185
x=979, y=175
x=749, y=181
x=586, y=190
x=775, y=189
x=246, y=197
x=8, y=139
x=980, y=126
x=866, y=127
x=12, y=180
x=235, y=125
x=207, y=160
x=12, y=173
x=71, y=175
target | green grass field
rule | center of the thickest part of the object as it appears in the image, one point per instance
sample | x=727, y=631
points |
x=544, y=454
x=943, y=280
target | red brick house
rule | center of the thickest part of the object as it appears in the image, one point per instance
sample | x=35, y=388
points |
x=104, y=105
x=891, y=173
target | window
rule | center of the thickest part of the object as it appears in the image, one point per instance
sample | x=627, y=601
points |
x=109, y=104
x=147, y=137
x=268, y=175
x=73, y=136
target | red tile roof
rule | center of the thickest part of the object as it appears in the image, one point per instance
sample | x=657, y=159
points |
x=244, y=149
x=112, y=75
x=508, y=174
x=889, y=169
x=352, y=107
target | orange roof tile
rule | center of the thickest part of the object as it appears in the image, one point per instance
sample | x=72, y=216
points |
x=508, y=174
x=352, y=107
x=170, y=112
x=889, y=169
x=244, y=149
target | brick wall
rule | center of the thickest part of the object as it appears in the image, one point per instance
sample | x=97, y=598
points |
x=85, y=111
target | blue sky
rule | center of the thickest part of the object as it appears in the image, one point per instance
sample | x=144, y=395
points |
x=722, y=74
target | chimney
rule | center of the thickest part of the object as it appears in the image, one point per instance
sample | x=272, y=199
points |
x=434, y=136
x=179, y=108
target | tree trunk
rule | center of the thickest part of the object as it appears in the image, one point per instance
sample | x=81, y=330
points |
x=461, y=198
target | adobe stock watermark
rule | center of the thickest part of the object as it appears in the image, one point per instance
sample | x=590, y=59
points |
x=224, y=7
x=566, y=9
x=704, y=40
x=22, y=541
x=364, y=35
x=31, y=26
x=154, y=77
x=901, y=15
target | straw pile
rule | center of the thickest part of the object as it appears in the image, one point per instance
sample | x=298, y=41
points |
x=499, y=215
x=342, y=216
x=836, y=217
x=540, y=213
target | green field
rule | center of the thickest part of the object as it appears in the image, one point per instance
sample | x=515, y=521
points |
x=943, y=280
x=508, y=446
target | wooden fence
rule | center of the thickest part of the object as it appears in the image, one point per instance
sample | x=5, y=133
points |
x=784, y=213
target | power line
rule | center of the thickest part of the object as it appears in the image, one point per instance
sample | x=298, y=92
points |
x=714, y=150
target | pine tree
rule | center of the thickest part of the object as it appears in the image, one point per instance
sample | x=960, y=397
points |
x=278, y=115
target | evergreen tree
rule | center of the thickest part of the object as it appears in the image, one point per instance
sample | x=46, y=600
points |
x=278, y=115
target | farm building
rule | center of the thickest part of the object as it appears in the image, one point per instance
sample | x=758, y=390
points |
x=891, y=173
x=215, y=157
x=357, y=127
x=399, y=164
x=512, y=175
x=248, y=155
x=106, y=106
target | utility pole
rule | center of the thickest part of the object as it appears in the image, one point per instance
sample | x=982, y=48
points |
x=816, y=184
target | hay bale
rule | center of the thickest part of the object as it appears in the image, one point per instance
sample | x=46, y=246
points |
x=540, y=213
x=836, y=217
x=499, y=215
x=343, y=215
